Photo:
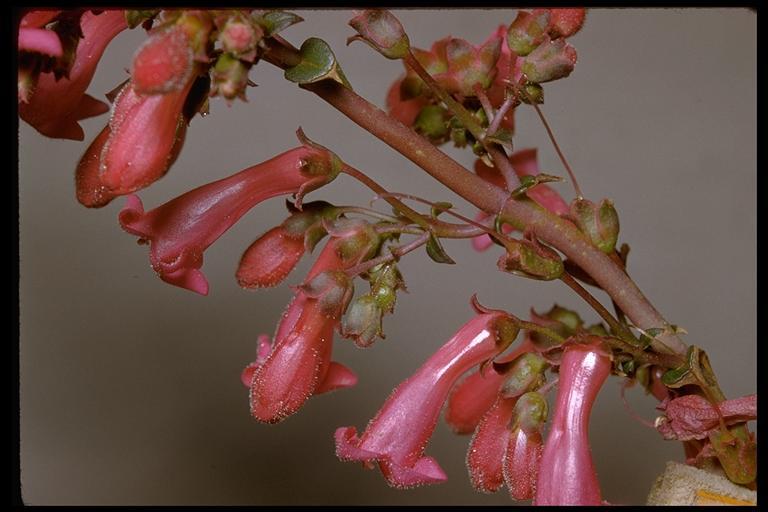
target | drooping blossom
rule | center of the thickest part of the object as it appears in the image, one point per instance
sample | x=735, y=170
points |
x=524, y=162
x=485, y=459
x=180, y=230
x=567, y=474
x=56, y=106
x=299, y=364
x=522, y=457
x=490, y=445
x=694, y=417
x=398, y=434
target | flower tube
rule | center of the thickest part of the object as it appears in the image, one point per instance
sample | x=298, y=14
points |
x=299, y=364
x=567, y=475
x=180, y=230
x=398, y=434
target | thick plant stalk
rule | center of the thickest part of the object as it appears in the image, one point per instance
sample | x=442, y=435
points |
x=493, y=200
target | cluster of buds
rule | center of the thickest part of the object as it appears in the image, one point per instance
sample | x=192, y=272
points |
x=512, y=62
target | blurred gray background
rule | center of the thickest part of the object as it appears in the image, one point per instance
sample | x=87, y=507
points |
x=130, y=388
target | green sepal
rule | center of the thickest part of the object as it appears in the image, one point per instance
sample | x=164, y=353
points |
x=317, y=63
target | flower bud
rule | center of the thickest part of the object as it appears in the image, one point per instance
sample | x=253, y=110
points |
x=432, y=122
x=229, y=77
x=269, y=260
x=239, y=37
x=526, y=374
x=358, y=240
x=333, y=290
x=531, y=259
x=528, y=31
x=563, y=321
x=382, y=31
x=566, y=22
x=600, y=223
x=163, y=63
x=385, y=280
x=362, y=323
x=551, y=60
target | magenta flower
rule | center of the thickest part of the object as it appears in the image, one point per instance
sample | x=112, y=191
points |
x=89, y=189
x=476, y=393
x=522, y=456
x=567, y=475
x=180, y=230
x=397, y=436
x=56, y=106
x=299, y=364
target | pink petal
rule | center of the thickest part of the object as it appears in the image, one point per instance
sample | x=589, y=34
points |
x=337, y=377
x=40, y=40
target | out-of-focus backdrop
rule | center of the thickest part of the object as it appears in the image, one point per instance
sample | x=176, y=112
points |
x=130, y=388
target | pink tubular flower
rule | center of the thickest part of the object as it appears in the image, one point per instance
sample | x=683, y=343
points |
x=299, y=364
x=397, y=436
x=484, y=458
x=40, y=40
x=567, y=475
x=474, y=395
x=56, y=106
x=524, y=446
x=180, y=230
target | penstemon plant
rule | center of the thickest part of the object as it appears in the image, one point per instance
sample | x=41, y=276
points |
x=520, y=384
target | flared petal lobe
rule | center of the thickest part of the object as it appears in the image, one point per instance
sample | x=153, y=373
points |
x=299, y=364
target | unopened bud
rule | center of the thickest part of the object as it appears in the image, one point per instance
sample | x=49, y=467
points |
x=599, y=222
x=362, y=322
x=530, y=412
x=240, y=37
x=230, y=77
x=526, y=374
x=566, y=22
x=432, y=122
x=531, y=259
x=163, y=62
x=528, y=31
x=551, y=60
x=382, y=31
x=357, y=239
x=332, y=289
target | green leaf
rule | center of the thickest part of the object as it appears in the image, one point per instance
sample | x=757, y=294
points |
x=317, y=63
x=436, y=252
x=501, y=136
x=276, y=21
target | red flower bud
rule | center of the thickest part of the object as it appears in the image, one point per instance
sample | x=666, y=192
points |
x=566, y=22
x=163, y=63
x=270, y=259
